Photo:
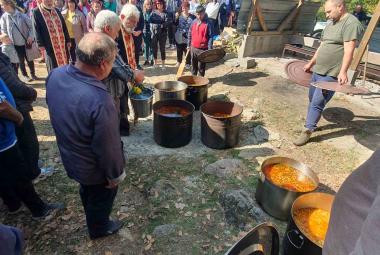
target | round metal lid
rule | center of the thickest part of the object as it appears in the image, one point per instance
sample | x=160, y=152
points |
x=335, y=86
x=210, y=56
x=294, y=71
x=262, y=239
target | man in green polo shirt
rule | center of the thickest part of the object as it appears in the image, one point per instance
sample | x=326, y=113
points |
x=331, y=61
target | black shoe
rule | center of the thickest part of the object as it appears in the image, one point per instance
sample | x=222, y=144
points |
x=34, y=77
x=151, y=63
x=139, y=67
x=146, y=63
x=49, y=208
x=113, y=227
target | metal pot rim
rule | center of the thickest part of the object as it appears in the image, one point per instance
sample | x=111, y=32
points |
x=182, y=84
x=220, y=102
x=173, y=101
x=206, y=80
x=314, y=176
x=323, y=194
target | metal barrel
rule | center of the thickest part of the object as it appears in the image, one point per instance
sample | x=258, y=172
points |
x=220, y=132
x=172, y=132
x=197, y=90
x=170, y=90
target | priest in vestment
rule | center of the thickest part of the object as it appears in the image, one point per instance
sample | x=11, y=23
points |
x=51, y=34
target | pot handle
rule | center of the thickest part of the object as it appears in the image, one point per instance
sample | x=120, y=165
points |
x=302, y=240
x=254, y=249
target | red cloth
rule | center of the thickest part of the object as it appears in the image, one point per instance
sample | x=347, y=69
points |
x=199, y=36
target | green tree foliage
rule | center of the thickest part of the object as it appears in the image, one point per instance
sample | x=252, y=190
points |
x=368, y=5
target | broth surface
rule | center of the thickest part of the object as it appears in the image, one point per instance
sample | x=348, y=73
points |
x=173, y=111
x=313, y=223
x=288, y=177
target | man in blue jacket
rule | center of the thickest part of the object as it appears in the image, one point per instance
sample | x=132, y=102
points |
x=86, y=124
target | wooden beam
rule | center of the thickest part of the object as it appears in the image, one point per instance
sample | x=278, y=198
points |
x=271, y=33
x=291, y=16
x=251, y=16
x=352, y=71
x=259, y=13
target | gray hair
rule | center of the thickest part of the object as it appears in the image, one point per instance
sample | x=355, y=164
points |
x=106, y=18
x=94, y=48
x=128, y=11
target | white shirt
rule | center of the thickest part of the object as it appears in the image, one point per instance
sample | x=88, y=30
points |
x=212, y=10
x=193, y=7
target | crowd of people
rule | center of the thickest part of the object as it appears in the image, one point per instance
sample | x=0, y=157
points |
x=98, y=44
x=24, y=26
x=92, y=56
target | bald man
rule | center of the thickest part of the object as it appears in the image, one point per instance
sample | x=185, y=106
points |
x=85, y=121
x=331, y=61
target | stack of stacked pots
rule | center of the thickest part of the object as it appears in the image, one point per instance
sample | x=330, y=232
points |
x=197, y=90
x=170, y=129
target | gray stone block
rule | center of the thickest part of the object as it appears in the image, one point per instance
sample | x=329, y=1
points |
x=247, y=62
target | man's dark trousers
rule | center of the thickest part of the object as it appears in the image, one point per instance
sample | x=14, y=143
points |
x=97, y=201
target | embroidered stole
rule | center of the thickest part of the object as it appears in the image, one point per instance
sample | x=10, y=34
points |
x=129, y=49
x=57, y=37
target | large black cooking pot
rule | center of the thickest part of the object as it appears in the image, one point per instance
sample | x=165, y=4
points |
x=172, y=131
x=295, y=241
x=261, y=240
x=197, y=89
x=220, y=132
x=275, y=200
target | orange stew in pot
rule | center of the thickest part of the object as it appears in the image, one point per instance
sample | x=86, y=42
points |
x=289, y=178
x=313, y=223
x=221, y=115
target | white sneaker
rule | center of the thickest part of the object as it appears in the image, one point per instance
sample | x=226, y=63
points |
x=163, y=67
x=177, y=65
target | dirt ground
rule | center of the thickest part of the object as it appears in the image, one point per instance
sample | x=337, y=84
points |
x=168, y=202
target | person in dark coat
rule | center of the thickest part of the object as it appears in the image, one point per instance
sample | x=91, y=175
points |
x=15, y=185
x=51, y=33
x=183, y=22
x=24, y=96
x=138, y=34
x=159, y=25
x=86, y=123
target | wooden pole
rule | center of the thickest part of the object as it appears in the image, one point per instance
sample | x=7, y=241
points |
x=291, y=16
x=259, y=13
x=251, y=16
x=352, y=71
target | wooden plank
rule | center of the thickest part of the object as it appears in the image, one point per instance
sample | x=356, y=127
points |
x=260, y=17
x=291, y=16
x=271, y=33
x=352, y=71
x=251, y=16
x=182, y=65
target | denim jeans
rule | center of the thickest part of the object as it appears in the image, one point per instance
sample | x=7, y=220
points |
x=318, y=98
x=148, y=51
